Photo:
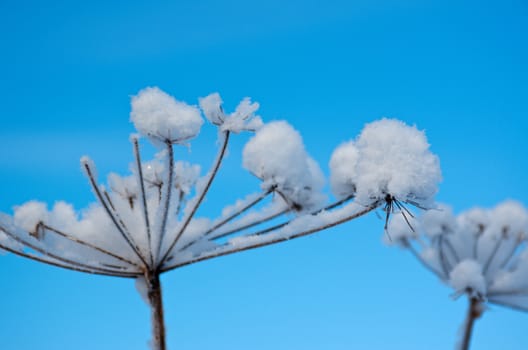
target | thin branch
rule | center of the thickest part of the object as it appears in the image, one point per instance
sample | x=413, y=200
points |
x=143, y=198
x=239, y=212
x=110, y=213
x=167, y=197
x=87, y=244
x=510, y=254
x=251, y=224
x=279, y=226
x=273, y=240
x=423, y=262
x=403, y=209
x=441, y=255
x=451, y=249
x=509, y=305
x=66, y=261
x=516, y=292
x=212, y=174
x=48, y=261
x=229, y=218
x=492, y=256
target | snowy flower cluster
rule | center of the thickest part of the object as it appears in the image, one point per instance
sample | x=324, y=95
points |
x=480, y=252
x=276, y=155
x=148, y=220
x=387, y=160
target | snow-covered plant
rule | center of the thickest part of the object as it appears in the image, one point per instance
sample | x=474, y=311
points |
x=146, y=223
x=479, y=253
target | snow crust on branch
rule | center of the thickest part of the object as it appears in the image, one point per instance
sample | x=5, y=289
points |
x=480, y=252
x=388, y=157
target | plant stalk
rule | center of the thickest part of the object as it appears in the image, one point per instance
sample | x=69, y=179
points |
x=474, y=312
x=156, y=306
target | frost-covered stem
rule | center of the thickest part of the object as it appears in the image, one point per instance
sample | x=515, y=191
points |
x=475, y=246
x=474, y=312
x=48, y=261
x=510, y=255
x=492, y=256
x=279, y=239
x=168, y=193
x=421, y=260
x=201, y=196
x=229, y=218
x=253, y=223
x=279, y=226
x=443, y=260
x=87, y=244
x=238, y=212
x=156, y=307
x=516, y=292
x=143, y=199
x=67, y=263
x=109, y=212
x=451, y=249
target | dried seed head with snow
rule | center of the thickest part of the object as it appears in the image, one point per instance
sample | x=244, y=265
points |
x=480, y=252
x=387, y=158
x=148, y=223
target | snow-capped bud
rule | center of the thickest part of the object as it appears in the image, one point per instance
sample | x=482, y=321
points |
x=162, y=118
x=392, y=158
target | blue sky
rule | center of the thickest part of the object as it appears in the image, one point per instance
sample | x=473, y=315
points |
x=68, y=69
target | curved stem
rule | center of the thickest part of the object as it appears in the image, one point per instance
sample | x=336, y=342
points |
x=45, y=260
x=423, y=262
x=279, y=226
x=87, y=244
x=167, y=194
x=251, y=224
x=474, y=312
x=63, y=262
x=143, y=199
x=112, y=215
x=491, y=257
x=228, y=218
x=272, y=240
x=212, y=174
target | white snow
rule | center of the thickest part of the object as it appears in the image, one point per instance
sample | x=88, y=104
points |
x=162, y=118
x=388, y=157
x=242, y=119
x=481, y=252
x=467, y=277
x=29, y=214
x=277, y=156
